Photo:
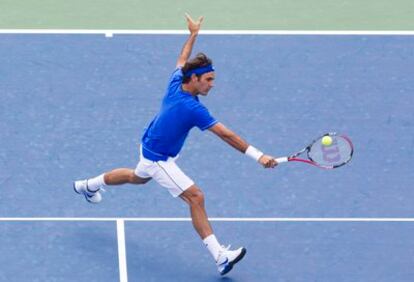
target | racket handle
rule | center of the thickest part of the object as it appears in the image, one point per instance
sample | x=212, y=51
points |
x=281, y=160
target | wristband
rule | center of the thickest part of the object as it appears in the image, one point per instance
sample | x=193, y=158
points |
x=254, y=153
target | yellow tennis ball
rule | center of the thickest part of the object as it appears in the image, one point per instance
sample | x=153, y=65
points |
x=327, y=141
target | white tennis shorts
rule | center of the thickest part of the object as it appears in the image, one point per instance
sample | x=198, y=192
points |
x=166, y=173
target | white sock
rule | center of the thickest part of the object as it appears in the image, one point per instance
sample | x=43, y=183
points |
x=94, y=184
x=212, y=245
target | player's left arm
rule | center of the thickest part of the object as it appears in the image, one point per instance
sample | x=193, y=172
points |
x=239, y=144
x=194, y=28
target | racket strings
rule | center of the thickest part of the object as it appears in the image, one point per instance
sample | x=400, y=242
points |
x=337, y=154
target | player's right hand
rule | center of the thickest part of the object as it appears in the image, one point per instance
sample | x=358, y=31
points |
x=267, y=161
x=193, y=26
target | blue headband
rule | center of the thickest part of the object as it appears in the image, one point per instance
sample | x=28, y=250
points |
x=199, y=71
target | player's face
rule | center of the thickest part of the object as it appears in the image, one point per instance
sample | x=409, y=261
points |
x=205, y=82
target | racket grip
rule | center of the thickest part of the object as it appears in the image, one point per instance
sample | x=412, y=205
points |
x=281, y=160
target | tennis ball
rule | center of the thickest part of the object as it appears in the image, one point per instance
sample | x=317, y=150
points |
x=327, y=141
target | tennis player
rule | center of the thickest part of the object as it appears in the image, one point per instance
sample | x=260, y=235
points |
x=180, y=111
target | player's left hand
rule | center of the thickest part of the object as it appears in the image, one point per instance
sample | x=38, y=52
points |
x=193, y=26
x=267, y=161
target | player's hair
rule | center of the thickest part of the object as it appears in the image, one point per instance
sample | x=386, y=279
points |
x=200, y=60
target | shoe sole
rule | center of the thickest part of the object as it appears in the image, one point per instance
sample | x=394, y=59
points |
x=84, y=194
x=231, y=264
x=74, y=188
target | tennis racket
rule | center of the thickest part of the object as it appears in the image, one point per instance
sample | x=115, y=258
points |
x=333, y=156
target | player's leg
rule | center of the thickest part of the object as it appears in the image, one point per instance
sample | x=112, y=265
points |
x=122, y=176
x=90, y=187
x=170, y=176
x=195, y=199
x=224, y=257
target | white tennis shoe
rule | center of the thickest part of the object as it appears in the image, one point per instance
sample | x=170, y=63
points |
x=81, y=187
x=227, y=259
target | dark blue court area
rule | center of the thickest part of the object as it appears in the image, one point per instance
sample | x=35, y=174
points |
x=74, y=106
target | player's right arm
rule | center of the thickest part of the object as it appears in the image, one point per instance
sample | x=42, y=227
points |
x=193, y=27
x=239, y=144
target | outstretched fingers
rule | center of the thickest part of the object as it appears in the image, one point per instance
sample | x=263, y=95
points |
x=193, y=26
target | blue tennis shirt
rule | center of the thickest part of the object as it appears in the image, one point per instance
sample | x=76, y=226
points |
x=179, y=113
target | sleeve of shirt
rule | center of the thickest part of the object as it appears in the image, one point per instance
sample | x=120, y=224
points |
x=202, y=118
x=176, y=78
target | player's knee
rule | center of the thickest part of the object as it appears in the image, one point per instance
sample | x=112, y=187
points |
x=134, y=179
x=197, y=197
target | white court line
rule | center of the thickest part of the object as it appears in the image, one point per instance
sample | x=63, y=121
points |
x=120, y=230
x=111, y=32
x=223, y=219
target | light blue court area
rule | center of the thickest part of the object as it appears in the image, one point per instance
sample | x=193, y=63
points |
x=58, y=251
x=74, y=106
x=170, y=251
x=276, y=251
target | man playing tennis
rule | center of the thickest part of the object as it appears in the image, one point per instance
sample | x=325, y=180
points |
x=180, y=111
